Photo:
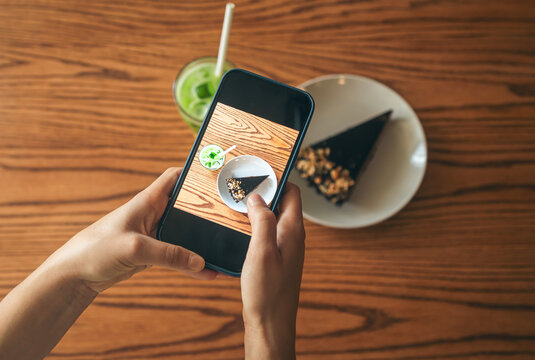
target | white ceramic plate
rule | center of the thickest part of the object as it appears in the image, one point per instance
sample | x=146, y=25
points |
x=247, y=165
x=396, y=170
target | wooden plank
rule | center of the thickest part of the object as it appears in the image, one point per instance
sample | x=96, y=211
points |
x=87, y=119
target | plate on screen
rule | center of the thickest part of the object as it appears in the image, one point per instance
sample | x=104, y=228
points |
x=394, y=173
x=246, y=166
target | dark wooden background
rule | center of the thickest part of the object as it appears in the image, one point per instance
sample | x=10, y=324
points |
x=87, y=120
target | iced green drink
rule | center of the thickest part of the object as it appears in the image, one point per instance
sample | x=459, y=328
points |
x=194, y=89
x=210, y=157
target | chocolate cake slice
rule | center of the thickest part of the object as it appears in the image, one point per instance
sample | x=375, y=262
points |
x=240, y=187
x=332, y=165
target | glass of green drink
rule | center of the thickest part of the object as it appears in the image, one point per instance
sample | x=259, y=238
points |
x=194, y=88
x=210, y=157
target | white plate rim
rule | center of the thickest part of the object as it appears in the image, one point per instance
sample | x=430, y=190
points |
x=418, y=123
x=257, y=158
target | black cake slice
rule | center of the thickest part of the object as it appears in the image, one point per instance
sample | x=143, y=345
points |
x=332, y=165
x=240, y=187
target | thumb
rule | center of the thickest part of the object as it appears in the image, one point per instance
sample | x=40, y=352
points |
x=263, y=223
x=148, y=251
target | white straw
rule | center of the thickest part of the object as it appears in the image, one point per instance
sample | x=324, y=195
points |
x=228, y=150
x=223, y=43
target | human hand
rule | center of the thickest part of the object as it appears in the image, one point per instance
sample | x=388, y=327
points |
x=271, y=276
x=112, y=249
x=123, y=242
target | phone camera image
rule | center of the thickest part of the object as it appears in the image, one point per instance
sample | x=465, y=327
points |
x=239, y=154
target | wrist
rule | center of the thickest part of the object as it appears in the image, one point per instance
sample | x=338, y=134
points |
x=266, y=339
x=82, y=294
x=73, y=288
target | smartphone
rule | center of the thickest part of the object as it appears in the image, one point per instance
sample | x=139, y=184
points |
x=263, y=122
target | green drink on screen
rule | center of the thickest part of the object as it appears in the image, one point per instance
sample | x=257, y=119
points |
x=195, y=87
x=210, y=157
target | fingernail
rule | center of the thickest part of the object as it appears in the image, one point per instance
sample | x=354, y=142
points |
x=195, y=262
x=256, y=200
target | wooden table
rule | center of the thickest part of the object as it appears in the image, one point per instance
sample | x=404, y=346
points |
x=87, y=120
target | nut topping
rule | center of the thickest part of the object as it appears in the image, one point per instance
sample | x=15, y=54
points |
x=330, y=179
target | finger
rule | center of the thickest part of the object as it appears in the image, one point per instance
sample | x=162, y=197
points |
x=264, y=227
x=152, y=201
x=287, y=187
x=204, y=274
x=144, y=250
x=290, y=225
x=290, y=206
x=224, y=276
x=165, y=183
x=157, y=194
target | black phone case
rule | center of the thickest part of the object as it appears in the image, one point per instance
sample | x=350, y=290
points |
x=198, y=140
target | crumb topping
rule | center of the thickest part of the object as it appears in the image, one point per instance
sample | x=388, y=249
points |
x=331, y=180
x=235, y=189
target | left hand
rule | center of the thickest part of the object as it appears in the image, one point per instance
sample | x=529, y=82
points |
x=123, y=242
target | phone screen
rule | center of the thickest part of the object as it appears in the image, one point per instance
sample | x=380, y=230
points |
x=211, y=188
x=263, y=123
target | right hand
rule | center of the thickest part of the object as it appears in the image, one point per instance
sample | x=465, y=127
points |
x=271, y=276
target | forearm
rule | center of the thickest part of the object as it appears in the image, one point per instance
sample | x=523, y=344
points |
x=35, y=315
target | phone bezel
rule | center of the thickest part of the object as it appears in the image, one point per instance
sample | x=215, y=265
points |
x=198, y=139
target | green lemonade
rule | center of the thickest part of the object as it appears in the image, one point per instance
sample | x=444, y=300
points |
x=210, y=158
x=194, y=89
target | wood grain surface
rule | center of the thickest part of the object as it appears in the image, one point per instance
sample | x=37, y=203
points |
x=252, y=135
x=87, y=120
